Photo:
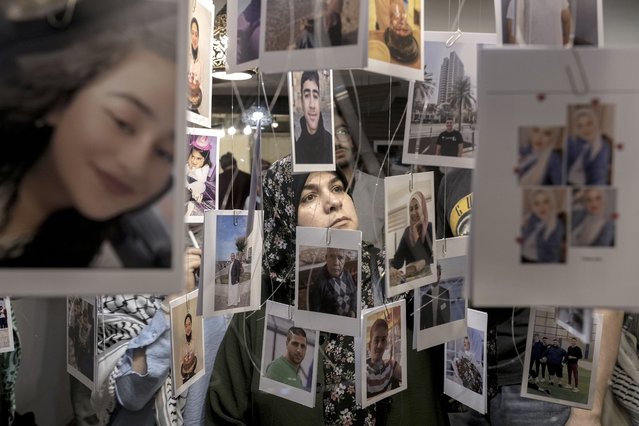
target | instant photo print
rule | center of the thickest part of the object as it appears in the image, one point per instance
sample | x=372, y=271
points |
x=410, y=224
x=440, y=307
x=6, y=326
x=307, y=35
x=465, y=364
x=311, y=110
x=576, y=321
x=553, y=208
x=232, y=262
x=243, y=25
x=395, y=38
x=200, y=36
x=187, y=342
x=328, y=279
x=569, y=365
x=441, y=125
x=82, y=339
x=201, y=173
x=289, y=357
x=381, y=352
x=121, y=230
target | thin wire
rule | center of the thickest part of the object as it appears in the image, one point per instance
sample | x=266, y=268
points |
x=390, y=100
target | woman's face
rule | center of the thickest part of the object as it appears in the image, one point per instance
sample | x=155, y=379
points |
x=415, y=212
x=541, y=138
x=324, y=203
x=196, y=159
x=378, y=343
x=112, y=144
x=195, y=35
x=466, y=344
x=187, y=326
x=541, y=205
x=586, y=127
x=594, y=202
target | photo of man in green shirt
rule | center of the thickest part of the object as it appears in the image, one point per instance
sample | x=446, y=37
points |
x=285, y=368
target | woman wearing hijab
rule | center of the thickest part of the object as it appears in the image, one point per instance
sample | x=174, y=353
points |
x=316, y=199
x=543, y=232
x=539, y=160
x=592, y=226
x=589, y=150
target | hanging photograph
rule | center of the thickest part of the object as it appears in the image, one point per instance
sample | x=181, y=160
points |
x=382, y=354
x=187, y=342
x=232, y=262
x=454, y=206
x=465, y=364
x=243, y=26
x=199, y=69
x=201, y=173
x=557, y=23
x=410, y=232
x=441, y=125
x=312, y=34
x=552, y=208
x=440, y=307
x=289, y=357
x=6, y=326
x=81, y=339
x=570, y=365
x=395, y=38
x=90, y=189
x=311, y=110
x=327, y=282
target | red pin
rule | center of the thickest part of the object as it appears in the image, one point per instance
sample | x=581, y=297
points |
x=594, y=102
x=516, y=170
x=615, y=216
x=519, y=240
x=541, y=97
x=620, y=146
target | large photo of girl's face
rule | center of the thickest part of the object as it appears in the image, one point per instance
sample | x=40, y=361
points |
x=541, y=156
x=543, y=229
x=97, y=158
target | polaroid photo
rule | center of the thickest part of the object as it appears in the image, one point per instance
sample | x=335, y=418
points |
x=395, y=38
x=557, y=23
x=593, y=217
x=243, y=25
x=289, y=357
x=553, y=354
x=440, y=307
x=232, y=274
x=441, y=125
x=199, y=68
x=187, y=342
x=328, y=279
x=576, y=321
x=590, y=144
x=410, y=233
x=313, y=34
x=542, y=156
x=311, y=110
x=544, y=225
x=465, y=364
x=81, y=339
x=381, y=353
x=540, y=235
x=68, y=251
x=201, y=172
x=6, y=326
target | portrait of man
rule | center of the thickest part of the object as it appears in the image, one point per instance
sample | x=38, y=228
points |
x=314, y=145
x=435, y=304
x=334, y=291
x=382, y=374
x=285, y=369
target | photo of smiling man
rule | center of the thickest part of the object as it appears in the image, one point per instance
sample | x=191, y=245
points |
x=312, y=120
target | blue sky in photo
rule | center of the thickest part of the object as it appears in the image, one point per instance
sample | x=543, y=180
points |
x=226, y=233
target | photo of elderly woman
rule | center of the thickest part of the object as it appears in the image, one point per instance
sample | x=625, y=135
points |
x=540, y=156
x=543, y=231
x=590, y=144
x=410, y=231
x=96, y=132
x=593, y=223
x=200, y=174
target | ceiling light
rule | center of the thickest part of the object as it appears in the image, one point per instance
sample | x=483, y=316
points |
x=247, y=130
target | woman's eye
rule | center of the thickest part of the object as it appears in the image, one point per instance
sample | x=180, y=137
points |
x=164, y=154
x=338, y=189
x=308, y=198
x=122, y=124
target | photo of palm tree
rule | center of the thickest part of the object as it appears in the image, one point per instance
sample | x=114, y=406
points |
x=441, y=126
